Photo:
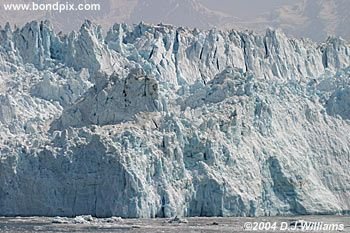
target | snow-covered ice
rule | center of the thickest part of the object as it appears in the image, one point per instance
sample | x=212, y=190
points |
x=163, y=121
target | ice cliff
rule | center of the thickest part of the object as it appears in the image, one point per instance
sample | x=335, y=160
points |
x=158, y=121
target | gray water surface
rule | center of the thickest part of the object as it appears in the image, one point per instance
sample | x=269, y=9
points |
x=202, y=225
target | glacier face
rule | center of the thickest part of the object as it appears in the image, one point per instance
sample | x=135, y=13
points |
x=157, y=121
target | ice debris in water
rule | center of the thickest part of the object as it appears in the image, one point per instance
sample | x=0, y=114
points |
x=176, y=219
x=86, y=219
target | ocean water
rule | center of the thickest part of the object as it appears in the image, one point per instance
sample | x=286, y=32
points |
x=191, y=225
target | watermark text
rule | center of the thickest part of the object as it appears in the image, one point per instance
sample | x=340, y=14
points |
x=57, y=6
x=296, y=226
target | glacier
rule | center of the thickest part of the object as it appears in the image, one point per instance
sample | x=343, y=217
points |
x=159, y=121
